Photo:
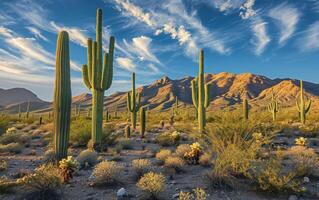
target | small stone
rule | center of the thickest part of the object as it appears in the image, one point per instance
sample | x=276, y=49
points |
x=121, y=193
x=293, y=197
x=306, y=179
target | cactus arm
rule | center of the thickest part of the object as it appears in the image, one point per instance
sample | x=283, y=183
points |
x=207, y=95
x=89, y=58
x=194, y=94
x=94, y=66
x=85, y=76
x=138, y=102
x=298, y=107
x=108, y=66
x=308, y=107
x=129, y=104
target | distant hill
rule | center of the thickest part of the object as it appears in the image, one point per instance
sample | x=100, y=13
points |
x=227, y=89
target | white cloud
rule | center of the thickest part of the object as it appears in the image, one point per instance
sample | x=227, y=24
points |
x=141, y=46
x=5, y=32
x=261, y=37
x=37, y=33
x=287, y=17
x=226, y=5
x=126, y=63
x=247, y=10
x=310, y=39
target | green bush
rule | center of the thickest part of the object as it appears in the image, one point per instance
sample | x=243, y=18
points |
x=14, y=137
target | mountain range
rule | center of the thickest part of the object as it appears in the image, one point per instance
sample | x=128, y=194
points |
x=226, y=89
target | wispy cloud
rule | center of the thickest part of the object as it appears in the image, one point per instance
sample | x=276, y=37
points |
x=261, y=37
x=141, y=46
x=126, y=63
x=37, y=33
x=247, y=10
x=310, y=39
x=287, y=18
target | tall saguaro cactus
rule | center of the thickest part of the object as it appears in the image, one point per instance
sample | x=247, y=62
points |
x=302, y=106
x=200, y=94
x=245, y=109
x=97, y=76
x=142, y=121
x=62, y=97
x=273, y=107
x=28, y=110
x=133, y=102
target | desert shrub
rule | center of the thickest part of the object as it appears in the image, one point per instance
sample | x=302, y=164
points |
x=49, y=156
x=301, y=141
x=68, y=167
x=192, y=156
x=6, y=185
x=44, y=183
x=106, y=172
x=126, y=144
x=174, y=162
x=198, y=194
x=11, y=148
x=4, y=123
x=14, y=137
x=304, y=160
x=273, y=178
x=168, y=138
x=163, y=154
x=11, y=130
x=141, y=166
x=182, y=149
x=87, y=158
x=3, y=165
x=152, y=184
x=205, y=159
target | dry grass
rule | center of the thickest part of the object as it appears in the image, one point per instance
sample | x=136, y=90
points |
x=141, y=166
x=87, y=158
x=174, y=162
x=106, y=172
x=152, y=184
x=182, y=149
x=163, y=154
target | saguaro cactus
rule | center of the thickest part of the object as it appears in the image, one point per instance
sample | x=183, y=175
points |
x=28, y=110
x=127, y=131
x=19, y=111
x=200, y=94
x=97, y=76
x=273, y=107
x=302, y=106
x=133, y=102
x=245, y=109
x=62, y=97
x=142, y=122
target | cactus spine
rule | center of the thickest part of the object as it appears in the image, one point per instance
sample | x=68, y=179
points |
x=142, y=121
x=200, y=94
x=133, y=102
x=97, y=76
x=62, y=97
x=245, y=109
x=273, y=107
x=302, y=106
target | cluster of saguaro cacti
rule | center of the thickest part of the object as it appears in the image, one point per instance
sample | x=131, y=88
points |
x=97, y=76
x=302, y=106
x=245, y=108
x=200, y=94
x=273, y=107
x=62, y=97
x=142, y=121
x=133, y=102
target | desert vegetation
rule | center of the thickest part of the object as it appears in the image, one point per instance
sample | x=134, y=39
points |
x=243, y=152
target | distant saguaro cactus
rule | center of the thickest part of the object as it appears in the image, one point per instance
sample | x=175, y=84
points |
x=127, y=131
x=302, y=106
x=200, y=94
x=19, y=111
x=133, y=102
x=142, y=121
x=245, y=108
x=62, y=97
x=97, y=76
x=28, y=110
x=273, y=107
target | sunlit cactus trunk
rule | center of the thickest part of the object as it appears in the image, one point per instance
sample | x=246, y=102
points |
x=142, y=121
x=200, y=94
x=273, y=107
x=302, y=106
x=62, y=97
x=133, y=102
x=98, y=76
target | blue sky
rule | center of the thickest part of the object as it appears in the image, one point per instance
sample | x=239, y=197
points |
x=154, y=38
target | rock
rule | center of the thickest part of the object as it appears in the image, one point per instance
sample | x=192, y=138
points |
x=175, y=196
x=293, y=197
x=121, y=193
x=306, y=179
